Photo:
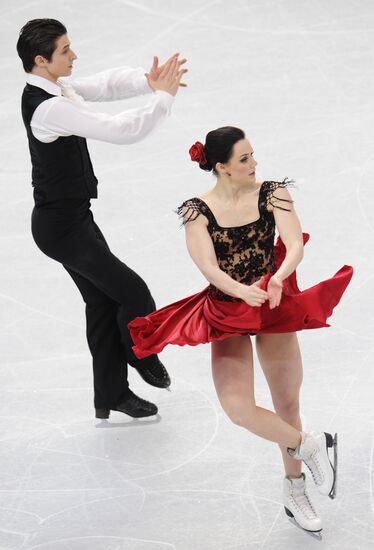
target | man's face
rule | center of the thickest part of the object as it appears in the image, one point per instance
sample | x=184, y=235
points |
x=61, y=63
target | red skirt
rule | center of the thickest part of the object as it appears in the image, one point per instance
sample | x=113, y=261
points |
x=201, y=318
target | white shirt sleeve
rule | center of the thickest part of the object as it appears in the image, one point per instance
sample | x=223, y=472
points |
x=110, y=85
x=60, y=116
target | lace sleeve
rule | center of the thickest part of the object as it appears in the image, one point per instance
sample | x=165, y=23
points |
x=271, y=197
x=188, y=211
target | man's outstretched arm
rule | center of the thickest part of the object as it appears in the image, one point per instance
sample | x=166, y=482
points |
x=61, y=117
x=110, y=85
x=119, y=83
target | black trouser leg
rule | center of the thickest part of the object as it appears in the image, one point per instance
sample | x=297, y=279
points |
x=92, y=258
x=104, y=341
x=114, y=293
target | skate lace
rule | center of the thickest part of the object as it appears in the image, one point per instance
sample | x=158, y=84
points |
x=315, y=468
x=303, y=504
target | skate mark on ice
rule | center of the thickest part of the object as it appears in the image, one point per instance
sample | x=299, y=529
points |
x=43, y=313
x=46, y=545
x=371, y=467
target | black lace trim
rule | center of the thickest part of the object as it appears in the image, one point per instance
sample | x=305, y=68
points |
x=272, y=186
x=187, y=212
x=191, y=209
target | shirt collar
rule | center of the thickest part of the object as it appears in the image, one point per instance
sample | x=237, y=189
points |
x=44, y=84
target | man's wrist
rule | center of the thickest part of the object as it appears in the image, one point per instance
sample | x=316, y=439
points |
x=145, y=86
x=148, y=84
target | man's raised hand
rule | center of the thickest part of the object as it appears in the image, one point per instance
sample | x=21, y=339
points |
x=157, y=70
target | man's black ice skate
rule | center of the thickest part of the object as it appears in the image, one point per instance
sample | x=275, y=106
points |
x=133, y=405
x=314, y=452
x=155, y=374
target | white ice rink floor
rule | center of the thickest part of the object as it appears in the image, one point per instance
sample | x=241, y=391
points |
x=298, y=77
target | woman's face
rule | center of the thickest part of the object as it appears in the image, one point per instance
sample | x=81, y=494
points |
x=242, y=165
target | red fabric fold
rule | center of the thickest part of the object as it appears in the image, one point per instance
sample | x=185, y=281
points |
x=200, y=318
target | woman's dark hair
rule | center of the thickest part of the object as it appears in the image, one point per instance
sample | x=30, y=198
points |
x=218, y=146
x=38, y=37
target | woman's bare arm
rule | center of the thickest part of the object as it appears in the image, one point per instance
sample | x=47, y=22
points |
x=201, y=250
x=289, y=229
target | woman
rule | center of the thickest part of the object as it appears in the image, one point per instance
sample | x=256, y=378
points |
x=253, y=290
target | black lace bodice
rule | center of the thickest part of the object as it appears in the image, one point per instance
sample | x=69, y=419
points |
x=245, y=252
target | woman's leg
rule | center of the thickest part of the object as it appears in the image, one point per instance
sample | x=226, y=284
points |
x=280, y=360
x=232, y=367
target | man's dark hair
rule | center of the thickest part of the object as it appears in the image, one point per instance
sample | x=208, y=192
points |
x=38, y=37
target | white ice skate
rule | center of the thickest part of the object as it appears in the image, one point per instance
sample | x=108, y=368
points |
x=314, y=452
x=299, y=507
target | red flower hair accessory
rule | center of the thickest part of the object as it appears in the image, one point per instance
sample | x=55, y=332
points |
x=197, y=153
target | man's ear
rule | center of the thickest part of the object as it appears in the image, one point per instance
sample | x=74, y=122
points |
x=40, y=61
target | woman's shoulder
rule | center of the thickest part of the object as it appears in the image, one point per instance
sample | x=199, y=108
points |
x=193, y=201
x=191, y=209
x=272, y=200
x=272, y=185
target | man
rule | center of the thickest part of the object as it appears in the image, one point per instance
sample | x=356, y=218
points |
x=57, y=121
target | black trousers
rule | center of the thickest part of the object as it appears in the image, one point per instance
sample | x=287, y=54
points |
x=114, y=294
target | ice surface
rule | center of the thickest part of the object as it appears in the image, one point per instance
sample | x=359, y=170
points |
x=298, y=77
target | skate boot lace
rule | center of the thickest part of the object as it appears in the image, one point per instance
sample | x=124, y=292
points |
x=303, y=505
x=315, y=468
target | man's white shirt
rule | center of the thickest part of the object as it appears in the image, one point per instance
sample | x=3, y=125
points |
x=68, y=113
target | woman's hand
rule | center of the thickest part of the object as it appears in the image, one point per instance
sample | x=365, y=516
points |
x=157, y=74
x=253, y=295
x=274, y=289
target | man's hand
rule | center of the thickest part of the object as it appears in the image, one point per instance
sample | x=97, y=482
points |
x=156, y=70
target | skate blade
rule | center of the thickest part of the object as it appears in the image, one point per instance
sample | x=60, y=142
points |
x=332, y=443
x=168, y=389
x=332, y=494
x=315, y=534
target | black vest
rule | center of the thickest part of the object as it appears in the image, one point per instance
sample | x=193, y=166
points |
x=61, y=169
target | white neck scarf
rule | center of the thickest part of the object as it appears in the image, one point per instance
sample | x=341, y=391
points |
x=68, y=91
